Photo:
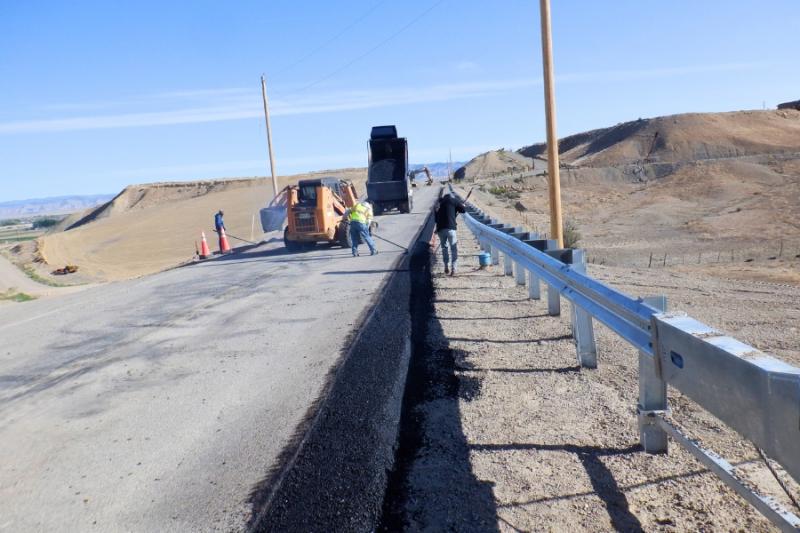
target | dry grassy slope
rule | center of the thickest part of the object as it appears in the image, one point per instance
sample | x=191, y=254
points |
x=685, y=137
x=148, y=228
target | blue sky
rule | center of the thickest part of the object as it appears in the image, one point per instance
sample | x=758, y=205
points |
x=98, y=95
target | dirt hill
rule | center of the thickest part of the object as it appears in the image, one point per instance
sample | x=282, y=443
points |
x=147, y=228
x=494, y=163
x=716, y=192
x=680, y=138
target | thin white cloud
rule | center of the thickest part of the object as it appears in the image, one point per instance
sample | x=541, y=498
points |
x=216, y=105
x=245, y=108
x=466, y=66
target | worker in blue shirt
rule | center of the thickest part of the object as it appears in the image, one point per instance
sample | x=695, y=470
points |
x=219, y=224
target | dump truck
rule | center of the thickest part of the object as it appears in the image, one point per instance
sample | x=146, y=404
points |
x=313, y=211
x=388, y=182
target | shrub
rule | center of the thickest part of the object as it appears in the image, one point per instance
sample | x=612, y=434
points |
x=44, y=223
x=571, y=234
x=501, y=191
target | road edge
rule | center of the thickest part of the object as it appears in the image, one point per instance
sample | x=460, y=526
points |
x=335, y=471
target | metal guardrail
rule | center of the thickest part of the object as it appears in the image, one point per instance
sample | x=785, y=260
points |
x=753, y=393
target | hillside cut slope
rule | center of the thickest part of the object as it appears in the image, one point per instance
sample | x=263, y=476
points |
x=147, y=228
x=681, y=138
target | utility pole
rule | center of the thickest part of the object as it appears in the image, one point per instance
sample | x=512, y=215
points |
x=269, y=138
x=450, y=166
x=553, y=176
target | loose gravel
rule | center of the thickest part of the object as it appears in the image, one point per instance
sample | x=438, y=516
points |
x=513, y=436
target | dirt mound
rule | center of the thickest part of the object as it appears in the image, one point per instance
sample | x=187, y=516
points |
x=680, y=138
x=147, y=228
x=154, y=194
x=494, y=163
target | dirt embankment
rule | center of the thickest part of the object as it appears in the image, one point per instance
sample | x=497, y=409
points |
x=148, y=228
x=496, y=162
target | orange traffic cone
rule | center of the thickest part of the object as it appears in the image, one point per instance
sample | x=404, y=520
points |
x=204, y=251
x=224, y=247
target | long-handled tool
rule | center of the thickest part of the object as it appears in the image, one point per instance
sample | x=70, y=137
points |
x=390, y=242
x=237, y=238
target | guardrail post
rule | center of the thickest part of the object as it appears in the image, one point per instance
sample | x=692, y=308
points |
x=519, y=274
x=508, y=265
x=495, y=255
x=533, y=286
x=553, y=301
x=652, y=393
x=582, y=327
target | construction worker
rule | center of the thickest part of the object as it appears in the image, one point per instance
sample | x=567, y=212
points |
x=219, y=225
x=360, y=217
x=447, y=209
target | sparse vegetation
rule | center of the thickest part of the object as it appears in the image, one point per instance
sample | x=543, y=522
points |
x=47, y=222
x=571, y=234
x=504, y=192
x=14, y=296
x=20, y=238
x=10, y=222
x=30, y=271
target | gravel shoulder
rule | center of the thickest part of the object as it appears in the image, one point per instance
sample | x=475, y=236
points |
x=513, y=436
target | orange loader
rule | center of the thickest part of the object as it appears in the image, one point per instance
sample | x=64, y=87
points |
x=314, y=212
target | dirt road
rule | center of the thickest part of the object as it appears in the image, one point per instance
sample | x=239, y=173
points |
x=163, y=403
x=11, y=277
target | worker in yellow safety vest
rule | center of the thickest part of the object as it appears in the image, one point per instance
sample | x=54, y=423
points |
x=360, y=217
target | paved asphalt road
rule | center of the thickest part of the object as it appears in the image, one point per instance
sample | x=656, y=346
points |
x=158, y=404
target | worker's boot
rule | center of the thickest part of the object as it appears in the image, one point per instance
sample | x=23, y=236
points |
x=446, y=269
x=452, y=270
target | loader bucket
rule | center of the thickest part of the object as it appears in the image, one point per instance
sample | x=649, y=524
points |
x=273, y=216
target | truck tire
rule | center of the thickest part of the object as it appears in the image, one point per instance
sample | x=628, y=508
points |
x=291, y=246
x=405, y=207
x=344, y=235
x=377, y=209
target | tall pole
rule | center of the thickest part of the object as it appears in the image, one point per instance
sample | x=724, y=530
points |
x=553, y=177
x=450, y=166
x=269, y=138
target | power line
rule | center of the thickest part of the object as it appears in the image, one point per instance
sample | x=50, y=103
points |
x=370, y=51
x=332, y=39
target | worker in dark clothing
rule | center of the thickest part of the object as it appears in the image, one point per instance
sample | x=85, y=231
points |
x=447, y=209
x=219, y=224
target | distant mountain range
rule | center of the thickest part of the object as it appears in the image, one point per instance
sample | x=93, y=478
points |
x=439, y=170
x=56, y=205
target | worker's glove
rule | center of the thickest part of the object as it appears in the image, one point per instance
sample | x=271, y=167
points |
x=374, y=225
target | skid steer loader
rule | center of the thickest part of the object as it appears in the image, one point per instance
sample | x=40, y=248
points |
x=314, y=212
